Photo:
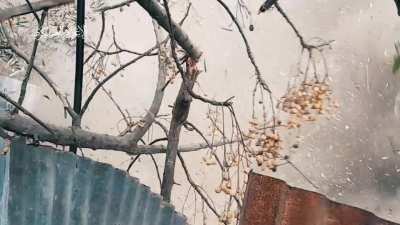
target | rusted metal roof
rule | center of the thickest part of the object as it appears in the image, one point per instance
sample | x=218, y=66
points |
x=43, y=186
x=270, y=201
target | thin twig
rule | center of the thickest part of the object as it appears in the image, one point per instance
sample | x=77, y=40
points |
x=133, y=162
x=186, y=14
x=157, y=169
x=32, y=60
x=114, y=73
x=260, y=79
x=26, y=112
x=196, y=187
x=303, y=44
x=49, y=81
x=248, y=49
x=103, y=25
x=115, y=52
x=208, y=143
x=302, y=174
x=148, y=119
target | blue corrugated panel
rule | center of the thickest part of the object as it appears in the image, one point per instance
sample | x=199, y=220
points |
x=4, y=159
x=50, y=187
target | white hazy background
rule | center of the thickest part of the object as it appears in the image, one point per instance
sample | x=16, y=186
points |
x=349, y=157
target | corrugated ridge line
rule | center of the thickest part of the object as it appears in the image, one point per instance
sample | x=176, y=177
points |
x=153, y=209
x=4, y=168
x=29, y=181
x=126, y=202
x=34, y=192
x=108, y=209
x=98, y=194
x=141, y=201
x=63, y=182
x=14, y=208
x=129, y=203
x=45, y=180
x=115, y=196
x=17, y=193
x=3, y=162
x=69, y=191
x=6, y=190
x=81, y=187
x=166, y=216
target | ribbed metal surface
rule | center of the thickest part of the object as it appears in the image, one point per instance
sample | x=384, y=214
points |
x=49, y=187
x=270, y=201
x=3, y=179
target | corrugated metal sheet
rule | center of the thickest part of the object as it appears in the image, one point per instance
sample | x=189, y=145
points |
x=49, y=187
x=270, y=201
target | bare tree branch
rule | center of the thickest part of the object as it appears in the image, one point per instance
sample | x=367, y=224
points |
x=181, y=109
x=157, y=169
x=20, y=107
x=260, y=79
x=148, y=119
x=180, y=113
x=86, y=139
x=118, y=5
x=158, y=13
x=139, y=131
x=248, y=49
x=103, y=26
x=25, y=81
x=132, y=162
x=303, y=44
x=6, y=14
x=118, y=50
x=196, y=187
x=113, y=74
x=50, y=82
x=209, y=145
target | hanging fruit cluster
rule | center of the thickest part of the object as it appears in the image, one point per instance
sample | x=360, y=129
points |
x=264, y=145
x=306, y=102
x=229, y=217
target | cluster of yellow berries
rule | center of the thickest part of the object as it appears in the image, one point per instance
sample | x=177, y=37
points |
x=264, y=145
x=306, y=102
x=303, y=103
x=226, y=187
x=229, y=217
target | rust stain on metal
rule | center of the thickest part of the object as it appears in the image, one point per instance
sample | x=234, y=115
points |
x=270, y=201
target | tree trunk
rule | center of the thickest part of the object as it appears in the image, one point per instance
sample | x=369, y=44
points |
x=180, y=113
